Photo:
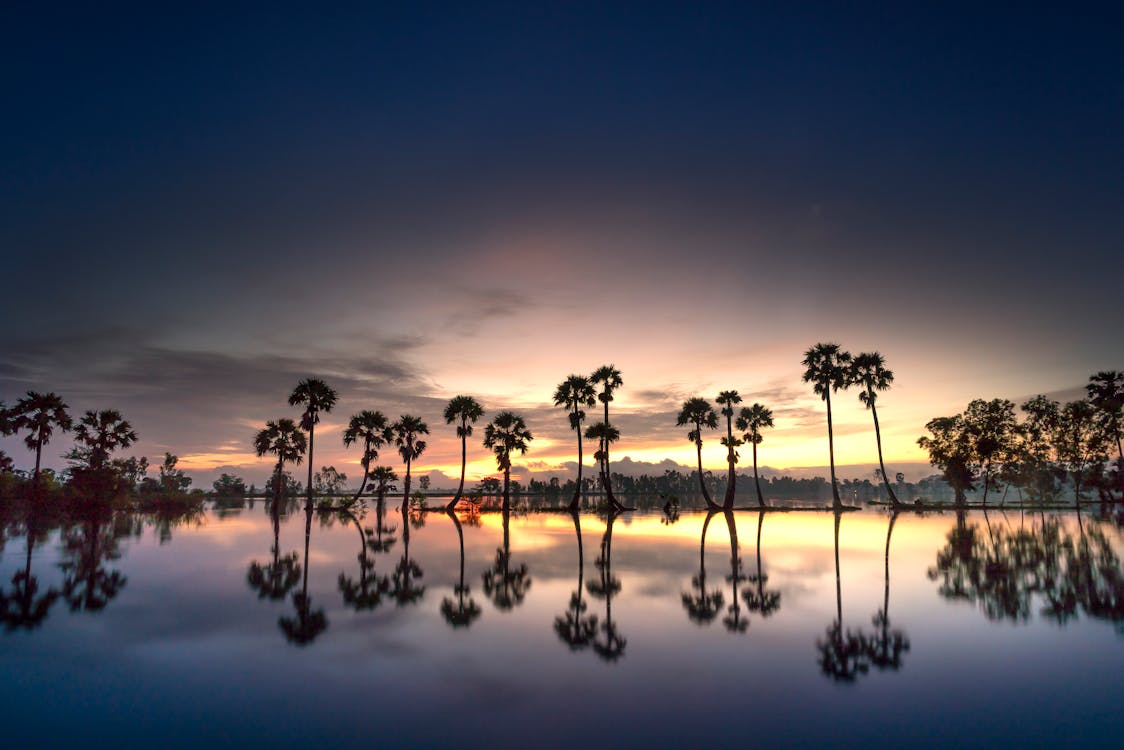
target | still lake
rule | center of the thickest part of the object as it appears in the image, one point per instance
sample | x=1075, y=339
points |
x=1002, y=628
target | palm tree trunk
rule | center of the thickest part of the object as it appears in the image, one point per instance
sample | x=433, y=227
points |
x=878, y=439
x=987, y=481
x=311, y=437
x=836, y=502
x=575, y=503
x=838, y=585
x=757, y=480
x=731, y=478
x=406, y=490
x=366, y=471
x=760, y=572
x=506, y=486
x=886, y=592
x=464, y=460
x=38, y=456
x=706, y=495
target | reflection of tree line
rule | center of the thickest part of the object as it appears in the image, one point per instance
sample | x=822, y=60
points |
x=1004, y=570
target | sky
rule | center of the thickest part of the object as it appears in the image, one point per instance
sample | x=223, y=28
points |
x=201, y=206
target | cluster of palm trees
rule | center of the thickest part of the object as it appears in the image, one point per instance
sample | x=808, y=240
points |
x=97, y=434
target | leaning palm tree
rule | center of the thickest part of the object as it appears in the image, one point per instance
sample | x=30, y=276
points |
x=504, y=435
x=751, y=421
x=572, y=394
x=727, y=399
x=826, y=367
x=284, y=440
x=371, y=428
x=1106, y=393
x=699, y=412
x=315, y=396
x=406, y=433
x=39, y=414
x=465, y=410
x=868, y=371
x=609, y=378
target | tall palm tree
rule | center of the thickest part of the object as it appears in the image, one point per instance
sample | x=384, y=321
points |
x=727, y=399
x=39, y=414
x=572, y=394
x=465, y=410
x=699, y=412
x=315, y=396
x=372, y=429
x=752, y=420
x=1106, y=393
x=407, y=431
x=100, y=433
x=609, y=378
x=504, y=435
x=284, y=440
x=826, y=367
x=868, y=371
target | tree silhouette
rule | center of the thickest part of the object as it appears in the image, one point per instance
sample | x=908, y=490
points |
x=460, y=613
x=25, y=608
x=367, y=593
x=702, y=605
x=733, y=619
x=504, y=583
x=315, y=396
x=826, y=367
x=843, y=656
x=572, y=394
x=727, y=399
x=886, y=647
x=306, y=624
x=949, y=445
x=371, y=429
x=39, y=414
x=761, y=600
x=403, y=581
x=991, y=430
x=284, y=440
x=1080, y=442
x=406, y=433
x=574, y=627
x=752, y=421
x=505, y=434
x=868, y=371
x=87, y=585
x=1106, y=394
x=384, y=478
x=699, y=412
x=465, y=410
x=609, y=378
x=609, y=645
x=99, y=434
x=275, y=579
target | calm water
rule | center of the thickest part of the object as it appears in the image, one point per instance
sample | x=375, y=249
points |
x=1007, y=629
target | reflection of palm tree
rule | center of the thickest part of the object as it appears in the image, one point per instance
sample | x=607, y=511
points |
x=727, y=399
x=733, y=619
x=843, y=656
x=869, y=371
x=702, y=605
x=315, y=396
x=467, y=410
x=367, y=592
x=403, y=584
x=573, y=393
x=611, y=644
x=575, y=628
x=379, y=543
x=25, y=607
x=276, y=579
x=699, y=412
x=885, y=648
x=609, y=378
x=504, y=435
x=307, y=625
x=459, y=613
x=826, y=368
x=87, y=585
x=761, y=601
x=751, y=421
x=504, y=584
x=370, y=428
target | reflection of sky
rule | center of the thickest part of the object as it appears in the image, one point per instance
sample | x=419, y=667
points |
x=415, y=204
x=188, y=654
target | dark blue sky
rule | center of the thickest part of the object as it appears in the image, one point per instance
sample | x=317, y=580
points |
x=216, y=182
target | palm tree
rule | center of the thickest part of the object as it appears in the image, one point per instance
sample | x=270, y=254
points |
x=826, y=366
x=315, y=396
x=609, y=378
x=1106, y=393
x=384, y=478
x=505, y=434
x=700, y=413
x=100, y=433
x=371, y=428
x=39, y=414
x=572, y=394
x=467, y=410
x=284, y=440
x=727, y=399
x=406, y=431
x=868, y=370
x=751, y=421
